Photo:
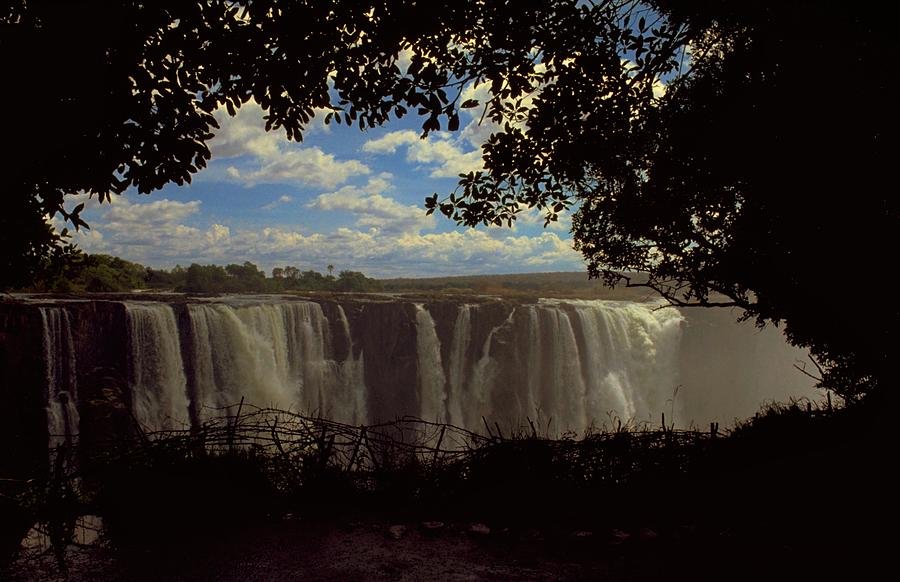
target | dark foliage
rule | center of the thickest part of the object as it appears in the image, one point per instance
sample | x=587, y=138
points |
x=753, y=181
x=112, y=95
x=755, y=492
x=108, y=274
x=758, y=178
x=169, y=499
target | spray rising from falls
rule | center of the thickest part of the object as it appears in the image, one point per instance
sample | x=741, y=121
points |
x=569, y=364
x=459, y=347
x=564, y=365
x=157, y=383
x=432, y=395
x=271, y=354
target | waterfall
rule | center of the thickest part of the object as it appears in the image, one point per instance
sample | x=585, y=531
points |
x=571, y=364
x=271, y=354
x=352, y=378
x=563, y=393
x=432, y=394
x=484, y=372
x=604, y=359
x=235, y=358
x=630, y=358
x=309, y=377
x=61, y=390
x=157, y=382
x=459, y=346
x=563, y=364
x=613, y=359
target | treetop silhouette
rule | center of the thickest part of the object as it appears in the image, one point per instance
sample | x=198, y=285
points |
x=733, y=153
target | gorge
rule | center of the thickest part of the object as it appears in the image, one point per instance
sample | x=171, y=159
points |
x=169, y=362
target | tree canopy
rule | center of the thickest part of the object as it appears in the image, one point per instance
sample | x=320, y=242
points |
x=733, y=153
x=108, y=274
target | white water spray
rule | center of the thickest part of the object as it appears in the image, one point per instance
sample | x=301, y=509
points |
x=157, y=383
x=432, y=394
x=459, y=346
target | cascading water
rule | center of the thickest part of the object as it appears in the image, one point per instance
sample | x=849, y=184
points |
x=272, y=354
x=157, y=383
x=475, y=406
x=61, y=394
x=456, y=378
x=629, y=356
x=352, y=379
x=564, y=365
x=569, y=364
x=241, y=355
x=432, y=394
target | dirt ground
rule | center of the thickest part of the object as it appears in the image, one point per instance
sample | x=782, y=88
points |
x=384, y=550
x=357, y=551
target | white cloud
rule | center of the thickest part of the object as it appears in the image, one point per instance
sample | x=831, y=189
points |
x=309, y=166
x=159, y=212
x=135, y=230
x=285, y=199
x=273, y=158
x=534, y=217
x=388, y=143
x=218, y=234
x=388, y=239
x=317, y=123
x=482, y=248
x=373, y=209
x=444, y=154
x=404, y=60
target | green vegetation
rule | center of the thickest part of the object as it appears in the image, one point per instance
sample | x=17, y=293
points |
x=684, y=136
x=759, y=174
x=92, y=273
x=107, y=274
x=741, y=490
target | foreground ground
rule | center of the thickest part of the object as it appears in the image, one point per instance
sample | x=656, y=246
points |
x=794, y=495
x=351, y=551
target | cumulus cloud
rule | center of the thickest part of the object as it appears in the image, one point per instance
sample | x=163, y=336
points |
x=388, y=239
x=444, y=154
x=218, y=234
x=150, y=214
x=478, y=247
x=134, y=230
x=285, y=199
x=272, y=158
x=534, y=217
x=388, y=143
x=373, y=209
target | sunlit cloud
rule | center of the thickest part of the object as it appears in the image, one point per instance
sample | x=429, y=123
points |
x=316, y=204
x=442, y=154
x=534, y=217
x=387, y=239
x=284, y=199
x=373, y=209
x=263, y=157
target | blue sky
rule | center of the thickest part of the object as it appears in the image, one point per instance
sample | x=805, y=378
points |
x=344, y=197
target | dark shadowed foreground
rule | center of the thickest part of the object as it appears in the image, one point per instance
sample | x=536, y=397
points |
x=796, y=493
x=350, y=551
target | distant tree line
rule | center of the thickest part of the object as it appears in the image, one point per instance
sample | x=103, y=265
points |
x=109, y=274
